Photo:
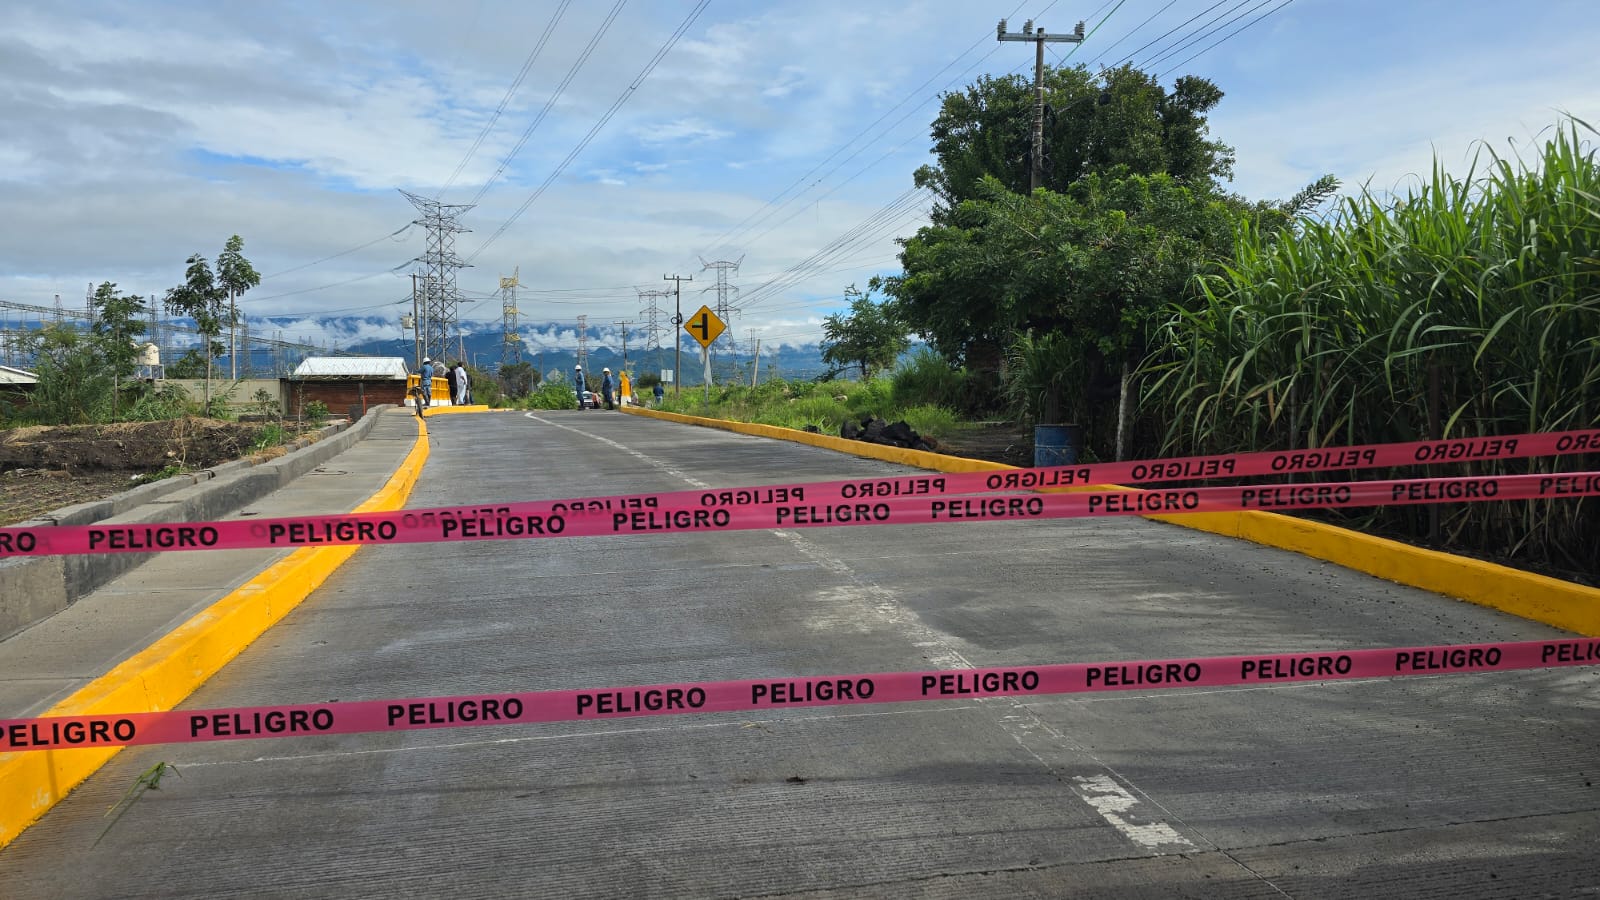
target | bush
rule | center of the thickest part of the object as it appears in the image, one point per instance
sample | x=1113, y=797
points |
x=927, y=379
x=169, y=401
x=554, y=394
x=317, y=413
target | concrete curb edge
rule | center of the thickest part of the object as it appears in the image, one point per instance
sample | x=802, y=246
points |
x=1551, y=601
x=163, y=674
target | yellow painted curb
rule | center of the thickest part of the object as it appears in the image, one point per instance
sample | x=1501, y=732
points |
x=1563, y=604
x=162, y=675
x=469, y=408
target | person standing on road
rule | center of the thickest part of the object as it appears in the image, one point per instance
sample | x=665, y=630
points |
x=577, y=379
x=463, y=384
x=426, y=381
x=661, y=394
x=450, y=382
x=607, y=387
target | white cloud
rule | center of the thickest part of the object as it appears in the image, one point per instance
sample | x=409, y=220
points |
x=136, y=135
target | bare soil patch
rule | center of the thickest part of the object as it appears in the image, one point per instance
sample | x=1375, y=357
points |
x=1001, y=442
x=46, y=467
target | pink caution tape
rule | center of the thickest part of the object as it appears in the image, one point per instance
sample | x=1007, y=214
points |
x=788, y=506
x=754, y=695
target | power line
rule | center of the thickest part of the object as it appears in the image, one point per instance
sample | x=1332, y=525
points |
x=312, y=290
x=506, y=100
x=628, y=92
x=561, y=88
x=1202, y=35
x=390, y=236
x=746, y=224
x=888, y=217
x=1134, y=31
x=1241, y=28
x=1185, y=23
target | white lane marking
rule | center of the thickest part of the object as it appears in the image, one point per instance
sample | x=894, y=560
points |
x=1111, y=800
x=692, y=481
x=1020, y=726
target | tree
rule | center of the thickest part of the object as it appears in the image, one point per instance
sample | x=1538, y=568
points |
x=1116, y=123
x=1080, y=276
x=519, y=379
x=1127, y=123
x=74, y=383
x=117, y=320
x=200, y=298
x=871, y=336
x=235, y=275
x=191, y=365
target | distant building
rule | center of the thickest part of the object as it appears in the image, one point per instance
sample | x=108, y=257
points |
x=347, y=385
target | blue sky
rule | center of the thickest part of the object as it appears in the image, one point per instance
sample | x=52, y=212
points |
x=775, y=133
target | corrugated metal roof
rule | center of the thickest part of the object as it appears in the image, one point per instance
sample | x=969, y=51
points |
x=366, y=367
x=9, y=375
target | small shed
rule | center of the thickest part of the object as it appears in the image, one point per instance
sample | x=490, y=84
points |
x=14, y=377
x=347, y=384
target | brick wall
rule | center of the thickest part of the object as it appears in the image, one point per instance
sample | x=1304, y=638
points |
x=351, y=398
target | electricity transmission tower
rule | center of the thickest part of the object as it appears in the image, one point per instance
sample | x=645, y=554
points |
x=725, y=292
x=510, y=340
x=653, y=315
x=439, y=328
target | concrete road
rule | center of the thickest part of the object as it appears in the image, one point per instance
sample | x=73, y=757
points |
x=1461, y=786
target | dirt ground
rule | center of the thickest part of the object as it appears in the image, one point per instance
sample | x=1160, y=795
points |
x=1002, y=442
x=43, y=468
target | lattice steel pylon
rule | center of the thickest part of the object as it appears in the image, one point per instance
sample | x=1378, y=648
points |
x=725, y=292
x=510, y=338
x=439, y=328
x=652, y=316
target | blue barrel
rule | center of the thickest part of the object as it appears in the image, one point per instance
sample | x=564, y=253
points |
x=1056, y=445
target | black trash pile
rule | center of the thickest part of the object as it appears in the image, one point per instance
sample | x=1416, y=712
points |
x=874, y=430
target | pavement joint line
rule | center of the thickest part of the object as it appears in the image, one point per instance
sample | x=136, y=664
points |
x=897, y=615
x=1562, y=604
x=166, y=672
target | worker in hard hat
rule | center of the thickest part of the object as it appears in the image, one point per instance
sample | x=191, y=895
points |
x=425, y=381
x=577, y=380
x=607, y=388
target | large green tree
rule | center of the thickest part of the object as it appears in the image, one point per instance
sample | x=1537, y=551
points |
x=201, y=298
x=1117, y=123
x=1119, y=120
x=118, y=321
x=870, y=337
x=235, y=275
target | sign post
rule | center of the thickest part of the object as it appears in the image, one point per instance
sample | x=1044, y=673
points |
x=705, y=327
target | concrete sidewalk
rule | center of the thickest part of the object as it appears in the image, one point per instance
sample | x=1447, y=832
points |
x=47, y=662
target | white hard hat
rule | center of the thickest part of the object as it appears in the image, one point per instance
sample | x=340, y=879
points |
x=605, y=370
x=427, y=359
x=577, y=367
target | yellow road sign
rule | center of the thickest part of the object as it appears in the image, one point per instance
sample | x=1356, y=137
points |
x=704, y=326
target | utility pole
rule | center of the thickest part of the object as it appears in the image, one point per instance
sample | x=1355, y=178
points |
x=416, y=325
x=677, y=329
x=755, y=371
x=583, y=345
x=624, y=324
x=1036, y=166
